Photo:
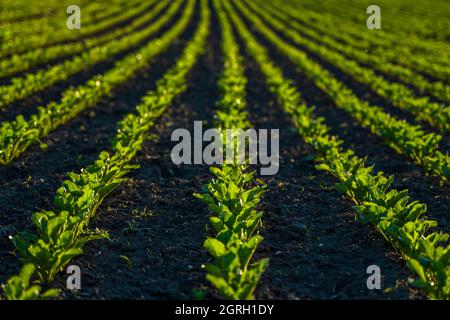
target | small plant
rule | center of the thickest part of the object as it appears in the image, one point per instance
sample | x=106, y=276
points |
x=229, y=195
x=145, y=213
x=62, y=234
x=399, y=220
x=20, y=288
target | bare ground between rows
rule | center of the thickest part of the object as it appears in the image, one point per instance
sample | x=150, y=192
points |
x=54, y=10
x=387, y=76
x=30, y=183
x=157, y=227
x=28, y=105
x=68, y=56
x=368, y=49
x=365, y=144
x=83, y=37
x=365, y=93
x=316, y=248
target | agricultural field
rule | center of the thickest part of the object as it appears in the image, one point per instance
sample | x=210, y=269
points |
x=346, y=196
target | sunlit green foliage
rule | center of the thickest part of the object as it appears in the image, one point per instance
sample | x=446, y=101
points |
x=400, y=220
x=406, y=139
x=17, y=135
x=232, y=195
x=62, y=233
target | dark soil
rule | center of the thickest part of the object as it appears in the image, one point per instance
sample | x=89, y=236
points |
x=28, y=105
x=389, y=77
x=316, y=248
x=407, y=174
x=157, y=228
x=90, y=35
x=311, y=25
x=365, y=93
x=61, y=58
x=29, y=183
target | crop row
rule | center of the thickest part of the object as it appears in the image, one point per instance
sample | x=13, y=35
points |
x=398, y=219
x=395, y=54
x=23, y=62
x=22, y=87
x=92, y=13
x=410, y=42
x=19, y=44
x=428, y=25
x=63, y=233
x=404, y=138
x=230, y=196
x=15, y=12
x=17, y=135
x=400, y=95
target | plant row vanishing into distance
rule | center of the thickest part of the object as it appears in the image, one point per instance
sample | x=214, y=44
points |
x=437, y=114
x=233, y=194
x=17, y=135
x=22, y=87
x=40, y=56
x=407, y=41
x=406, y=139
x=35, y=37
x=61, y=234
x=390, y=59
x=399, y=220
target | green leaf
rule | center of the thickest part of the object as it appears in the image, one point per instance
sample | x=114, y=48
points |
x=214, y=247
